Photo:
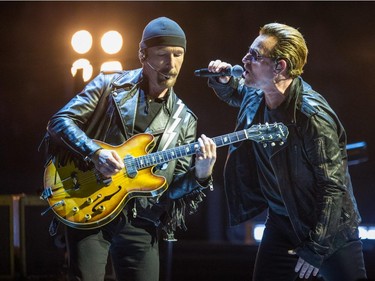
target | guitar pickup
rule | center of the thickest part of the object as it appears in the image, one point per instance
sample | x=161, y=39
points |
x=130, y=166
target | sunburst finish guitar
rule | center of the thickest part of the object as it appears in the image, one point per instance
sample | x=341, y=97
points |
x=86, y=200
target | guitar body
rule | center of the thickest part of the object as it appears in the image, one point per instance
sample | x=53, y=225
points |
x=85, y=200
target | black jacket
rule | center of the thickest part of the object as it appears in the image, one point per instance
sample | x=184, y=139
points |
x=311, y=170
x=105, y=110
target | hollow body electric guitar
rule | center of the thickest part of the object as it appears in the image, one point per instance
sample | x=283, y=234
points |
x=87, y=200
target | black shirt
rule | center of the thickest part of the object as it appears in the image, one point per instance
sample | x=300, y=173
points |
x=147, y=109
x=263, y=153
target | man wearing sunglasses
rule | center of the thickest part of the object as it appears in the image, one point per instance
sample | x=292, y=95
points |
x=312, y=221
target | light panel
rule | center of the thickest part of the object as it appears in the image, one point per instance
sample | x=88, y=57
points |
x=111, y=42
x=111, y=66
x=81, y=41
x=86, y=67
x=365, y=232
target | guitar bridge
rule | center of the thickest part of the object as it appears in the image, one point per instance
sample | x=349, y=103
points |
x=107, y=181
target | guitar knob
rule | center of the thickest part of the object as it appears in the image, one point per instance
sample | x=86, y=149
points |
x=87, y=217
x=281, y=143
x=273, y=144
x=264, y=145
x=89, y=200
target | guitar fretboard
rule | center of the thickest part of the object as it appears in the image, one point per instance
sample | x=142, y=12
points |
x=186, y=150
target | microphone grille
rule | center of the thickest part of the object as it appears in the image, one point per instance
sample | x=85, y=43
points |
x=237, y=71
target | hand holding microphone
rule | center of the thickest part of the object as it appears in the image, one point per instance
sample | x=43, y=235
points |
x=220, y=69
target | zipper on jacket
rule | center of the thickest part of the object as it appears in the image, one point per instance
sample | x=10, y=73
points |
x=323, y=157
x=327, y=211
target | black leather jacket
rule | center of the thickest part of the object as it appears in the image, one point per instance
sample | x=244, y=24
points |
x=311, y=170
x=105, y=110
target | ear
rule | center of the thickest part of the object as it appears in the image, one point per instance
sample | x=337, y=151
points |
x=280, y=65
x=142, y=55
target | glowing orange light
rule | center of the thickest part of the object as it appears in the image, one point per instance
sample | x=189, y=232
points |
x=111, y=42
x=85, y=65
x=81, y=41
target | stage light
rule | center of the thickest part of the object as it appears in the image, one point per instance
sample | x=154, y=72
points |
x=111, y=66
x=81, y=41
x=86, y=67
x=258, y=232
x=357, y=153
x=111, y=42
x=366, y=232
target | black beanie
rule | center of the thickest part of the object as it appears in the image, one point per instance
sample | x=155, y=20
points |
x=163, y=32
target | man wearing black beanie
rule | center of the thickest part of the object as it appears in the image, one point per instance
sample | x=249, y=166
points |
x=117, y=109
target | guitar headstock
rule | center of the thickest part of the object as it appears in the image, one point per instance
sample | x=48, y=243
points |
x=268, y=133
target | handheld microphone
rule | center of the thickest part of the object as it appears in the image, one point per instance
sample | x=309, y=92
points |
x=153, y=68
x=235, y=71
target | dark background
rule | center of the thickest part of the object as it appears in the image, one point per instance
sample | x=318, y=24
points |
x=35, y=79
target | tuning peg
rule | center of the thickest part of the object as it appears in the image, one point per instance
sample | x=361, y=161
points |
x=273, y=144
x=281, y=143
x=264, y=144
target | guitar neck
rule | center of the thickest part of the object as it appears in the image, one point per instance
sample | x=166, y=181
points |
x=170, y=154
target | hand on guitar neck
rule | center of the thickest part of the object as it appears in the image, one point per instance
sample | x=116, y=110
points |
x=109, y=163
x=206, y=157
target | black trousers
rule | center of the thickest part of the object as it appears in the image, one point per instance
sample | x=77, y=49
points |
x=274, y=263
x=132, y=244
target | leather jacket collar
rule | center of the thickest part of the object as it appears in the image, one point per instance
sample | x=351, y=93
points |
x=126, y=94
